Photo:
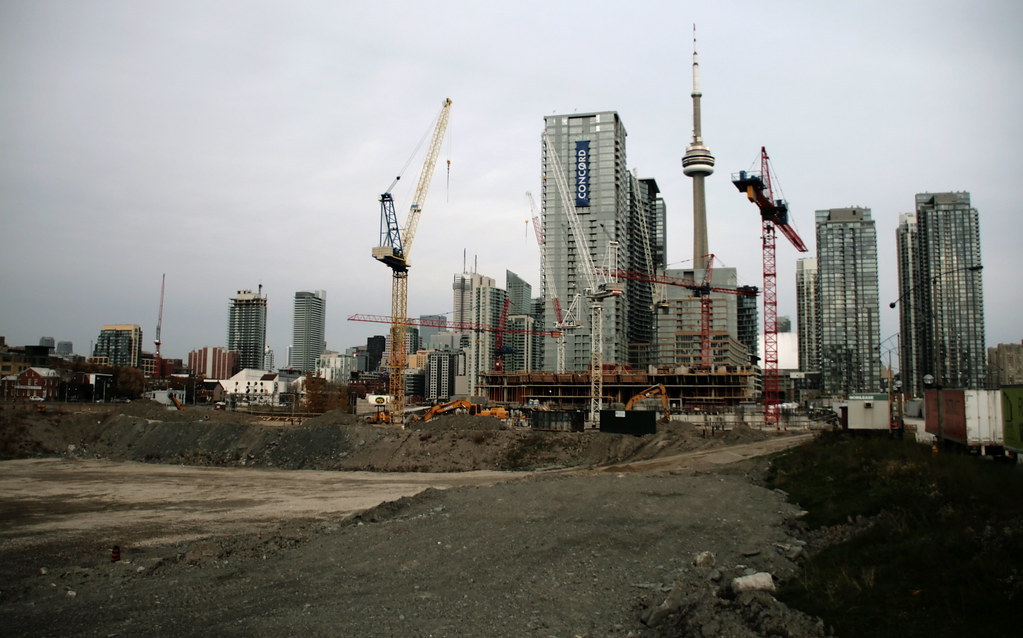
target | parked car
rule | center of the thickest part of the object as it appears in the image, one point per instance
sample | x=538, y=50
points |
x=36, y=398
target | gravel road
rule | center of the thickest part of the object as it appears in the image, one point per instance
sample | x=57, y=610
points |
x=604, y=553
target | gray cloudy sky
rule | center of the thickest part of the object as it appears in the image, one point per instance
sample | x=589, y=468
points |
x=230, y=143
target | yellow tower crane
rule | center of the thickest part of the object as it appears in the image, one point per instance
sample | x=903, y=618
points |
x=394, y=248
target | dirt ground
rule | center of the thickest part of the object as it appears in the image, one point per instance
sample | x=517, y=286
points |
x=561, y=534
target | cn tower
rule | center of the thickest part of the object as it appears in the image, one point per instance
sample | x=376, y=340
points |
x=698, y=163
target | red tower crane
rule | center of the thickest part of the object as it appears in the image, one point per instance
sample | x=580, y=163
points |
x=774, y=214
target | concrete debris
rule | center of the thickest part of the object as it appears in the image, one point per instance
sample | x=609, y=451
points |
x=761, y=581
x=704, y=559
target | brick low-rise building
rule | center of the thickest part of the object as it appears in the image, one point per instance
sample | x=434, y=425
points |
x=32, y=382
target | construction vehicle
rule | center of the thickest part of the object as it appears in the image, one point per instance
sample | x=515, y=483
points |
x=774, y=214
x=461, y=404
x=652, y=392
x=394, y=249
x=380, y=416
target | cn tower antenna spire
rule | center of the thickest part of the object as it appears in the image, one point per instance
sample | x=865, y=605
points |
x=698, y=163
x=696, y=95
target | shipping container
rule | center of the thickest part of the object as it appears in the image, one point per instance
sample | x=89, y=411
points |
x=1012, y=418
x=968, y=417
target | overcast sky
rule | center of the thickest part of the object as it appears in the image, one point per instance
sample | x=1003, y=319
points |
x=232, y=144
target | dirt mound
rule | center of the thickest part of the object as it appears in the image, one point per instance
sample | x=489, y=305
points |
x=148, y=432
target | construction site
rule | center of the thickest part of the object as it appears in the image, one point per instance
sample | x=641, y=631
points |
x=613, y=320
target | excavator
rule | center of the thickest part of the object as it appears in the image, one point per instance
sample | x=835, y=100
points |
x=653, y=391
x=472, y=408
x=379, y=417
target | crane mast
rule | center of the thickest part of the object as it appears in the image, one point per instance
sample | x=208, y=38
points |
x=774, y=214
x=395, y=246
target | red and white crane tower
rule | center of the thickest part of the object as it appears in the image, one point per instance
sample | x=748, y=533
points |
x=774, y=214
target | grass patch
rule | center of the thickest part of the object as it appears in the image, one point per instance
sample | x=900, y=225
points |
x=944, y=556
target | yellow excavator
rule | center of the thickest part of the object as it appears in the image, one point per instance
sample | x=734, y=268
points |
x=652, y=392
x=461, y=404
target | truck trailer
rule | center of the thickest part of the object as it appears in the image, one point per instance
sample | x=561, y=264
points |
x=971, y=418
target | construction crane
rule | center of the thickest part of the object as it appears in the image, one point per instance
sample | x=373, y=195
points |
x=394, y=249
x=774, y=214
x=701, y=290
x=598, y=289
x=562, y=322
x=158, y=368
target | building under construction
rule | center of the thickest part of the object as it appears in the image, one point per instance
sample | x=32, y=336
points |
x=687, y=388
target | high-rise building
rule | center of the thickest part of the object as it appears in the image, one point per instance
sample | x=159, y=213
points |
x=375, y=347
x=462, y=296
x=593, y=145
x=848, y=324
x=806, y=314
x=119, y=345
x=519, y=294
x=1005, y=365
x=538, y=340
x=941, y=294
x=487, y=306
x=679, y=327
x=748, y=322
x=698, y=163
x=307, y=334
x=441, y=370
x=518, y=344
x=427, y=332
x=246, y=328
x=647, y=255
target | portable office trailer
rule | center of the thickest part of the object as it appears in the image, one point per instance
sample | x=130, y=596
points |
x=868, y=412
